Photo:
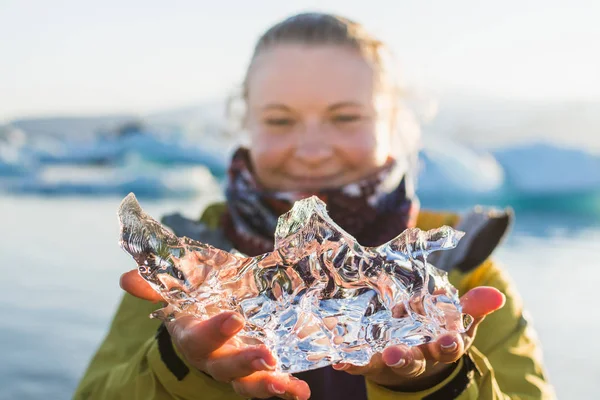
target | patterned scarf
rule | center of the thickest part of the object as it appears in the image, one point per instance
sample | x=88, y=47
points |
x=373, y=210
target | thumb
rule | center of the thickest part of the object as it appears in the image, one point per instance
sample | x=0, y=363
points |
x=134, y=284
x=481, y=301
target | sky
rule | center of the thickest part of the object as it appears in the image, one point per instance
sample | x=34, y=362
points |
x=93, y=57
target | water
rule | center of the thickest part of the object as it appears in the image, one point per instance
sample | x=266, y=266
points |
x=61, y=183
x=555, y=262
x=60, y=269
x=61, y=264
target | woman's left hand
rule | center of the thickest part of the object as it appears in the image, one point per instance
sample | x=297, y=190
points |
x=422, y=367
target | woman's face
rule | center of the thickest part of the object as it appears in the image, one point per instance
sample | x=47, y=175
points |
x=315, y=118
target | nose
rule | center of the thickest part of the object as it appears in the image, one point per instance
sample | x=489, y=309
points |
x=313, y=146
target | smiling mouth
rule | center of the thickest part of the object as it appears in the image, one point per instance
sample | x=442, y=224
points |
x=314, y=182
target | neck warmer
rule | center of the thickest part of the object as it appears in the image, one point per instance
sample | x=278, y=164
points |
x=374, y=209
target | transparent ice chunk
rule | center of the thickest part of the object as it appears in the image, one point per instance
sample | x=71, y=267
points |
x=319, y=298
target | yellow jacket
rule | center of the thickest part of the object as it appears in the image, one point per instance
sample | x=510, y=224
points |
x=506, y=352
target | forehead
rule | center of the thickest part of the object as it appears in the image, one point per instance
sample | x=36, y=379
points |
x=310, y=74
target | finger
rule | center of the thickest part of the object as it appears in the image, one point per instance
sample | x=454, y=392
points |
x=481, y=301
x=298, y=389
x=404, y=361
x=233, y=363
x=448, y=348
x=263, y=385
x=134, y=284
x=375, y=366
x=198, y=338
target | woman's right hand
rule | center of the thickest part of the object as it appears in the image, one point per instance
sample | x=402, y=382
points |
x=211, y=347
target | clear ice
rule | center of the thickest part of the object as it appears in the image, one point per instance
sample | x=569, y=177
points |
x=318, y=299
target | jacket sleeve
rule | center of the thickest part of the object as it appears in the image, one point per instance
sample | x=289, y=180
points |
x=506, y=353
x=129, y=363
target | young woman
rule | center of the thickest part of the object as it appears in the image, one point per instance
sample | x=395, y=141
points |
x=322, y=118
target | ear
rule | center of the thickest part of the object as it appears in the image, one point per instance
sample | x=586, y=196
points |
x=394, y=110
x=236, y=113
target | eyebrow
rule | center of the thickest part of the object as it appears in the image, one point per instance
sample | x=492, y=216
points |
x=277, y=106
x=344, y=104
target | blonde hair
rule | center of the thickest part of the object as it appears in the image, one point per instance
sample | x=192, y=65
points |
x=327, y=29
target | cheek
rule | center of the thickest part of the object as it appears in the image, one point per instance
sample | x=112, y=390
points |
x=268, y=155
x=366, y=149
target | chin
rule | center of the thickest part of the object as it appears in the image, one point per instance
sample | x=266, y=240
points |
x=313, y=189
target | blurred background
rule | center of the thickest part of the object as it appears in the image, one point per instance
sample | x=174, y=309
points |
x=98, y=99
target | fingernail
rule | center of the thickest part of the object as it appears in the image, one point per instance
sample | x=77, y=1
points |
x=394, y=358
x=260, y=364
x=340, y=367
x=232, y=325
x=400, y=363
x=276, y=389
x=449, y=348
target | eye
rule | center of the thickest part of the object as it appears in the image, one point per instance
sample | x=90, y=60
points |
x=345, y=118
x=279, y=121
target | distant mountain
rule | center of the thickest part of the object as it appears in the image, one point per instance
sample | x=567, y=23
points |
x=72, y=127
x=478, y=121
x=190, y=114
x=493, y=123
x=208, y=119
